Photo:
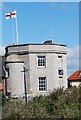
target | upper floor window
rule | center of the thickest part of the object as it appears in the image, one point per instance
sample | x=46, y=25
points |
x=60, y=71
x=41, y=61
x=59, y=56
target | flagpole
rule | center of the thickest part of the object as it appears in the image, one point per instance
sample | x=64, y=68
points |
x=16, y=29
x=13, y=34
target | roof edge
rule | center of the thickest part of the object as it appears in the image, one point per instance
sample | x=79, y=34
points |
x=15, y=45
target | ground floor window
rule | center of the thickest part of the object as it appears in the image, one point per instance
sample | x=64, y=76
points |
x=42, y=84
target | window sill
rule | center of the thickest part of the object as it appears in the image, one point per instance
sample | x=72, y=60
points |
x=42, y=91
x=41, y=66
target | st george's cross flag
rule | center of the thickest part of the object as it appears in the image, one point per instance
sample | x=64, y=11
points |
x=11, y=15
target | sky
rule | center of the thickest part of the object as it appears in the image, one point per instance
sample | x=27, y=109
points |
x=41, y=21
x=38, y=22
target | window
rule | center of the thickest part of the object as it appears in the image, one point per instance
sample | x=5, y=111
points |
x=59, y=56
x=60, y=72
x=42, y=84
x=41, y=61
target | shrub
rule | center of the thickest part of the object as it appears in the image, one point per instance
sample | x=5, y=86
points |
x=59, y=104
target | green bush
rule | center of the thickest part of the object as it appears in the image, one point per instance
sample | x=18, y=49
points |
x=59, y=104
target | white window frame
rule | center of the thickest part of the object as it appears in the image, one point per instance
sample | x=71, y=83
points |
x=41, y=61
x=45, y=84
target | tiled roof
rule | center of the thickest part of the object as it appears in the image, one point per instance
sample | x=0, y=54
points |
x=75, y=76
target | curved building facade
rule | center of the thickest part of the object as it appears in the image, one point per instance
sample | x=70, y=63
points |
x=15, y=77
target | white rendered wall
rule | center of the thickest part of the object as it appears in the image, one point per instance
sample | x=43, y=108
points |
x=50, y=72
x=15, y=79
x=75, y=83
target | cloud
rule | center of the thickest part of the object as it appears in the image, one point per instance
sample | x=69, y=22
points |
x=73, y=59
x=2, y=50
x=73, y=52
x=64, y=6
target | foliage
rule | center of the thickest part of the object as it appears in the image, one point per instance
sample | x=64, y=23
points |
x=58, y=104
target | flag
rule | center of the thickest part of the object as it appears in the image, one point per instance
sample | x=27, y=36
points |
x=11, y=15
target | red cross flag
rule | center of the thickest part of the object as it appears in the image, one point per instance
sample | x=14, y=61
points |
x=11, y=15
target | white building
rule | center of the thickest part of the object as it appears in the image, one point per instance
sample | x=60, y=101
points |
x=45, y=64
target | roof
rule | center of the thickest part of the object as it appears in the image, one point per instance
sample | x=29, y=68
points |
x=75, y=76
x=49, y=42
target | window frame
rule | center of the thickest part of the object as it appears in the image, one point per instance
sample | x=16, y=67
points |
x=41, y=61
x=43, y=84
